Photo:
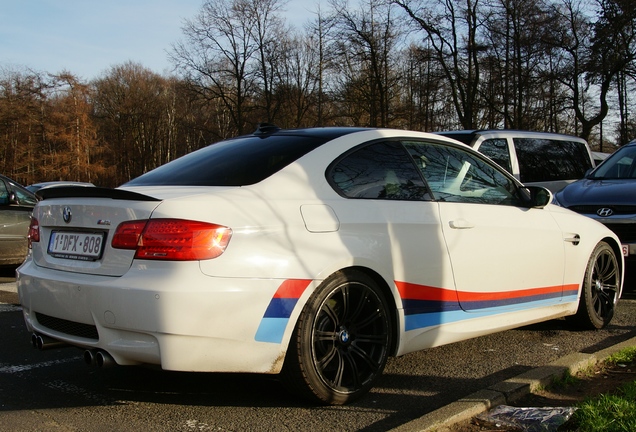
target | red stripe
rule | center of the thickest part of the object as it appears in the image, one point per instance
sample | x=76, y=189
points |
x=422, y=292
x=292, y=288
x=486, y=296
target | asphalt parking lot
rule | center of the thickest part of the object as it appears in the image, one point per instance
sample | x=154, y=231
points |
x=55, y=390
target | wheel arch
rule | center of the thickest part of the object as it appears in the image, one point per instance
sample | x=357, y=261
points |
x=389, y=296
x=616, y=247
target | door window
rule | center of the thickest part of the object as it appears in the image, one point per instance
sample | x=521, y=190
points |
x=381, y=170
x=456, y=175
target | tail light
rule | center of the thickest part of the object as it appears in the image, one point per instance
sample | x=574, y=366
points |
x=34, y=232
x=172, y=239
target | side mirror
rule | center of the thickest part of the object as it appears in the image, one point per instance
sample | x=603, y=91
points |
x=537, y=197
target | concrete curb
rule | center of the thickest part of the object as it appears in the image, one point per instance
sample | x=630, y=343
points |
x=9, y=287
x=508, y=391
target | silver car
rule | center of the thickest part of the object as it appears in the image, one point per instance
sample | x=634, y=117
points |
x=16, y=206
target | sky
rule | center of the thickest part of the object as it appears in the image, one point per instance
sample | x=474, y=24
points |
x=88, y=37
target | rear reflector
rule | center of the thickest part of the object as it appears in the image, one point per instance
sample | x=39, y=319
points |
x=172, y=239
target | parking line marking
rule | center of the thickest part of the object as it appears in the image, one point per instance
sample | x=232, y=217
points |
x=25, y=368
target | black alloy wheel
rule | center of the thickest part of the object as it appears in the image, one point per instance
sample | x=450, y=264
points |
x=342, y=340
x=600, y=289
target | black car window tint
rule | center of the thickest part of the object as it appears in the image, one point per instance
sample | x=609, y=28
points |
x=455, y=175
x=466, y=138
x=381, y=170
x=497, y=150
x=236, y=162
x=549, y=160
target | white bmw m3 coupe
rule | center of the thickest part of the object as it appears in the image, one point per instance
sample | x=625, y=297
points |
x=311, y=253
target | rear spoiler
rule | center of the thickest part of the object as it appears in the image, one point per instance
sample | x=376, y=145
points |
x=91, y=192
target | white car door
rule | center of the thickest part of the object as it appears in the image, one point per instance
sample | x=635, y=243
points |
x=504, y=256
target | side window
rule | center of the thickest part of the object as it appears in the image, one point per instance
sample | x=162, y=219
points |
x=497, y=150
x=4, y=194
x=24, y=198
x=455, y=175
x=381, y=170
x=548, y=160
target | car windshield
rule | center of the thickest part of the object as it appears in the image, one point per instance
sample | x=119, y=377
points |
x=620, y=165
x=235, y=162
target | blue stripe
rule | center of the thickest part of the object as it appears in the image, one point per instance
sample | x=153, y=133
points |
x=271, y=330
x=433, y=319
x=280, y=308
x=485, y=304
x=428, y=306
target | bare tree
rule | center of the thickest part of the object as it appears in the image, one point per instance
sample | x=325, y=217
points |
x=594, y=53
x=518, y=57
x=216, y=57
x=319, y=43
x=270, y=36
x=367, y=38
x=452, y=29
x=298, y=87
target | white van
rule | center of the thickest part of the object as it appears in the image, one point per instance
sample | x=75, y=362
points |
x=535, y=158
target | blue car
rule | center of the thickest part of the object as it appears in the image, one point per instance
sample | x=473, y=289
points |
x=608, y=194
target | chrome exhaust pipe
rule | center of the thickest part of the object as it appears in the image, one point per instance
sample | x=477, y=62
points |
x=103, y=359
x=43, y=342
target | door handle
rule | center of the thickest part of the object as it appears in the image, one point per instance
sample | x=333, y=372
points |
x=461, y=224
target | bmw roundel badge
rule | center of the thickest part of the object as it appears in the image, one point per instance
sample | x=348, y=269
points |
x=67, y=215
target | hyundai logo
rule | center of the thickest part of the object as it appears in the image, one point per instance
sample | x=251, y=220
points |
x=67, y=215
x=605, y=212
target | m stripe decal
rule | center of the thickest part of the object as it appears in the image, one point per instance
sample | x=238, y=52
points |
x=279, y=310
x=426, y=306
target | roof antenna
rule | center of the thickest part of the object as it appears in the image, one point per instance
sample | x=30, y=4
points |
x=265, y=128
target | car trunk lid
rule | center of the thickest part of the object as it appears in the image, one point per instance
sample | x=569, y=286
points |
x=76, y=226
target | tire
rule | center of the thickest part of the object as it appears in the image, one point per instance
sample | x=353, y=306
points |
x=599, y=292
x=341, y=341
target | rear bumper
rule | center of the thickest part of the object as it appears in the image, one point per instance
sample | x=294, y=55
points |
x=168, y=314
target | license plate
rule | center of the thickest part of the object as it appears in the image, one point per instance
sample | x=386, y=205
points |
x=77, y=246
x=625, y=250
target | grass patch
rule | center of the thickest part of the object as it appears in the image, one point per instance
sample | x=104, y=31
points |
x=565, y=380
x=626, y=355
x=610, y=413
x=614, y=412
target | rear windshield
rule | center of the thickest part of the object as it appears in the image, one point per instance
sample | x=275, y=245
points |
x=236, y=162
